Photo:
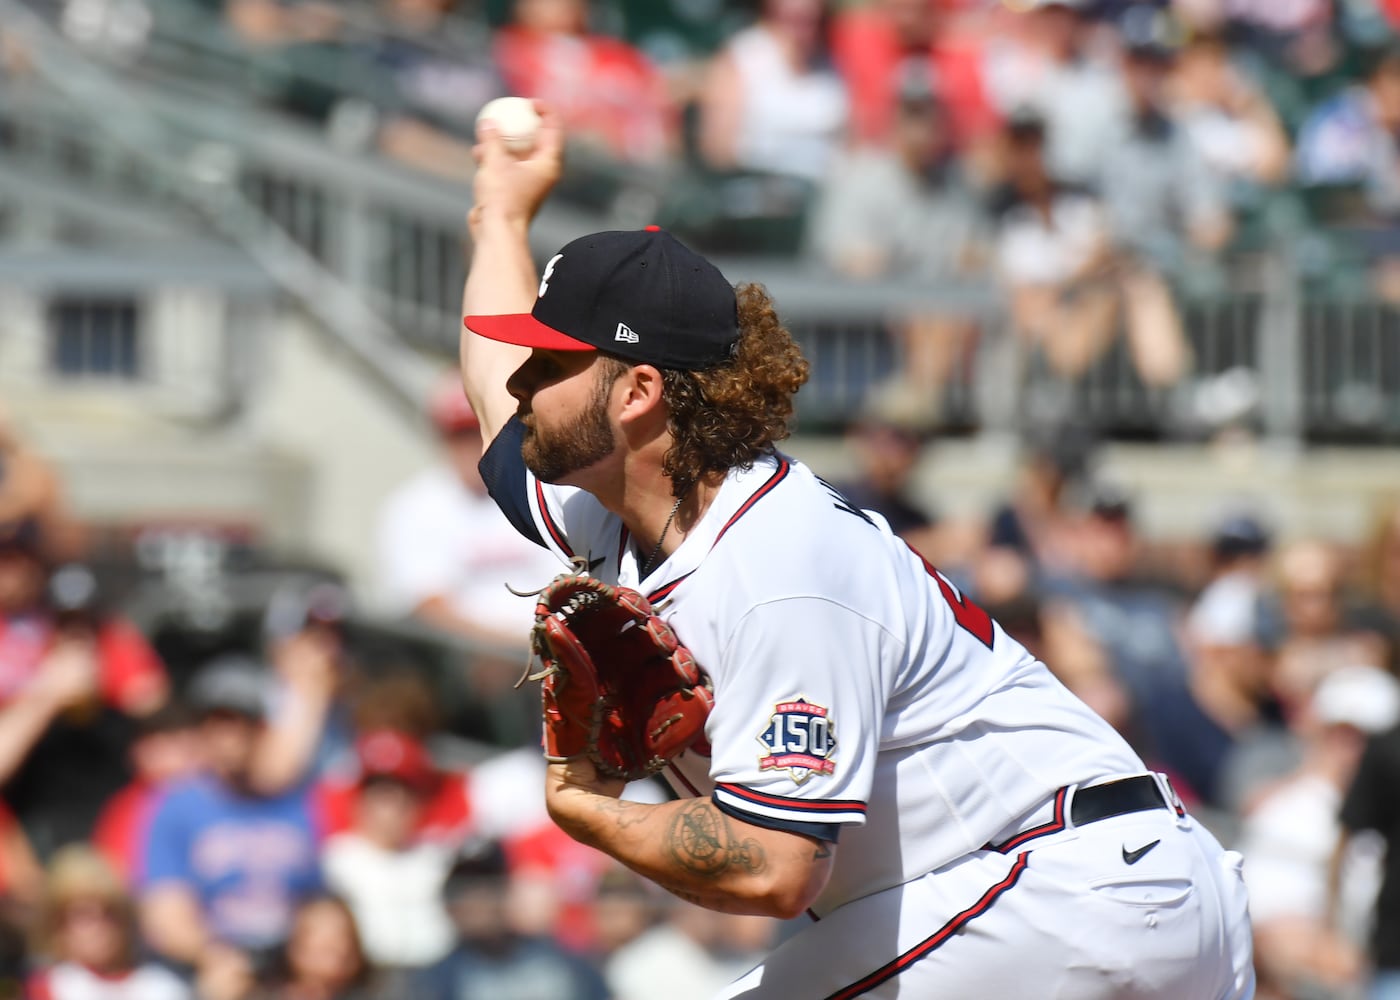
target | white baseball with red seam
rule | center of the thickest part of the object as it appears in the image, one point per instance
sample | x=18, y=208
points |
x=516, y=120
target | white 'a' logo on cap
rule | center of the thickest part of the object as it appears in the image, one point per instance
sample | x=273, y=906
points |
x=548, y=273
x=625, y=334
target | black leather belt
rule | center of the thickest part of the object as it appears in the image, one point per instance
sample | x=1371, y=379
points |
x=1114, y=798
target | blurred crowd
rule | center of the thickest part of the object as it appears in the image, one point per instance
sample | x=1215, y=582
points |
x=1100, y=160
x=296, y=816
x=292, y=815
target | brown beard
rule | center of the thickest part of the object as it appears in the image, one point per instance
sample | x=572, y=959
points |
x=553, y=455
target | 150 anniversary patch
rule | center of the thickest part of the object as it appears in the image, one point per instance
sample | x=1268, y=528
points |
x=800, y=738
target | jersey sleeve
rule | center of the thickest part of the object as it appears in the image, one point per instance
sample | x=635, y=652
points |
x=796, y=723
x=563, y=519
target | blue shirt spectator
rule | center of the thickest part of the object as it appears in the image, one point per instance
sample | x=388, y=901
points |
x=249, y=860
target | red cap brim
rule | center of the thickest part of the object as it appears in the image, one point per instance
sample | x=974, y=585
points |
x=524, y=330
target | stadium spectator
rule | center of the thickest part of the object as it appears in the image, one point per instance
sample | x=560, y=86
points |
x=1232, y=672
x=88, y=937
x=1370, y=805
x=163, y=751
x=224, y=864
x=1226, y=612
x=323, y=959
x=491, y=958
x=667, y=934
x=53, y=626
x=1049, y=67
x=886, y=451
x=1161, y=195
x=1036, y=524
x=1122, y=623
x=389, y=875
x=1381, y=552
x=886, y=46
x=1350, y=140
x=32, y=491
x=309, y=726
x=609, y=95
x=1228, y=118
x=1290, y=833
x=1318, y=634
x=446, y=551
x=1053, y=250
x=402, y=704
x=435, y=72
x=910, y=212
x=771, y=102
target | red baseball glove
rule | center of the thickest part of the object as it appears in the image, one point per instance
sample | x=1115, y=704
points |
x=618, y=686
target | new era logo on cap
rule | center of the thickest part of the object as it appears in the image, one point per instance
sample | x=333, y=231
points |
x=684, y=303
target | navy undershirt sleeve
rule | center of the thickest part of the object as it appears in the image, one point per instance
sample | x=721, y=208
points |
x=503, y=471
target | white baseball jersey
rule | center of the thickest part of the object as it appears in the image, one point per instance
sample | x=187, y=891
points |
x=857, y=692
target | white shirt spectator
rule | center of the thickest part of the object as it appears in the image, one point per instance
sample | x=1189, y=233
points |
x=438, y=538
x=396, y=897
x=792, y=120
x=665, y=954
x=70, y=981
x=1287, y=841
x=1034, y=251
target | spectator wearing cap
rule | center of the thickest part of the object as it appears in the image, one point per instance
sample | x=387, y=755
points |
x=1225, y=629
x=1162, y=196
x=1304, y=944
x=389, y=874
x=906, y=211
x=82, y=673
x=88, y=937
x=491, y=958
x=446, y=552
x=1122, y=623
x=224, y=864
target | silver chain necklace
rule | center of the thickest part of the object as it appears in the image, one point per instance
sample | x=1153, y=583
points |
x=646, y=566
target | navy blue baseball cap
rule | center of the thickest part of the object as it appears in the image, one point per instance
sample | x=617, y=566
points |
x=639, y=294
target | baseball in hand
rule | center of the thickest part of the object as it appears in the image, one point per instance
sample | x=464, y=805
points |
x=516, y=120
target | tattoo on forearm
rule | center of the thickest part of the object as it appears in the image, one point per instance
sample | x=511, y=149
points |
x=702, y=841
x=626, y=813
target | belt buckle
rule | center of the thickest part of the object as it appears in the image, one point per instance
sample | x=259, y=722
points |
x=1171, y=798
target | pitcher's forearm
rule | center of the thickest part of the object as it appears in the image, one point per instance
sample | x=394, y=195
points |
x=501, y=280
x=698, y=853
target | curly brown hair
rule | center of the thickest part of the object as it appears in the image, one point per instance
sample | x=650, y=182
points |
x=727, y=416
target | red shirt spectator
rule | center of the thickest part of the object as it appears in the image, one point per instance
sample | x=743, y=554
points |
x=604, y=89
x=877, y=54
x=447, y=812
x=165, y=750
